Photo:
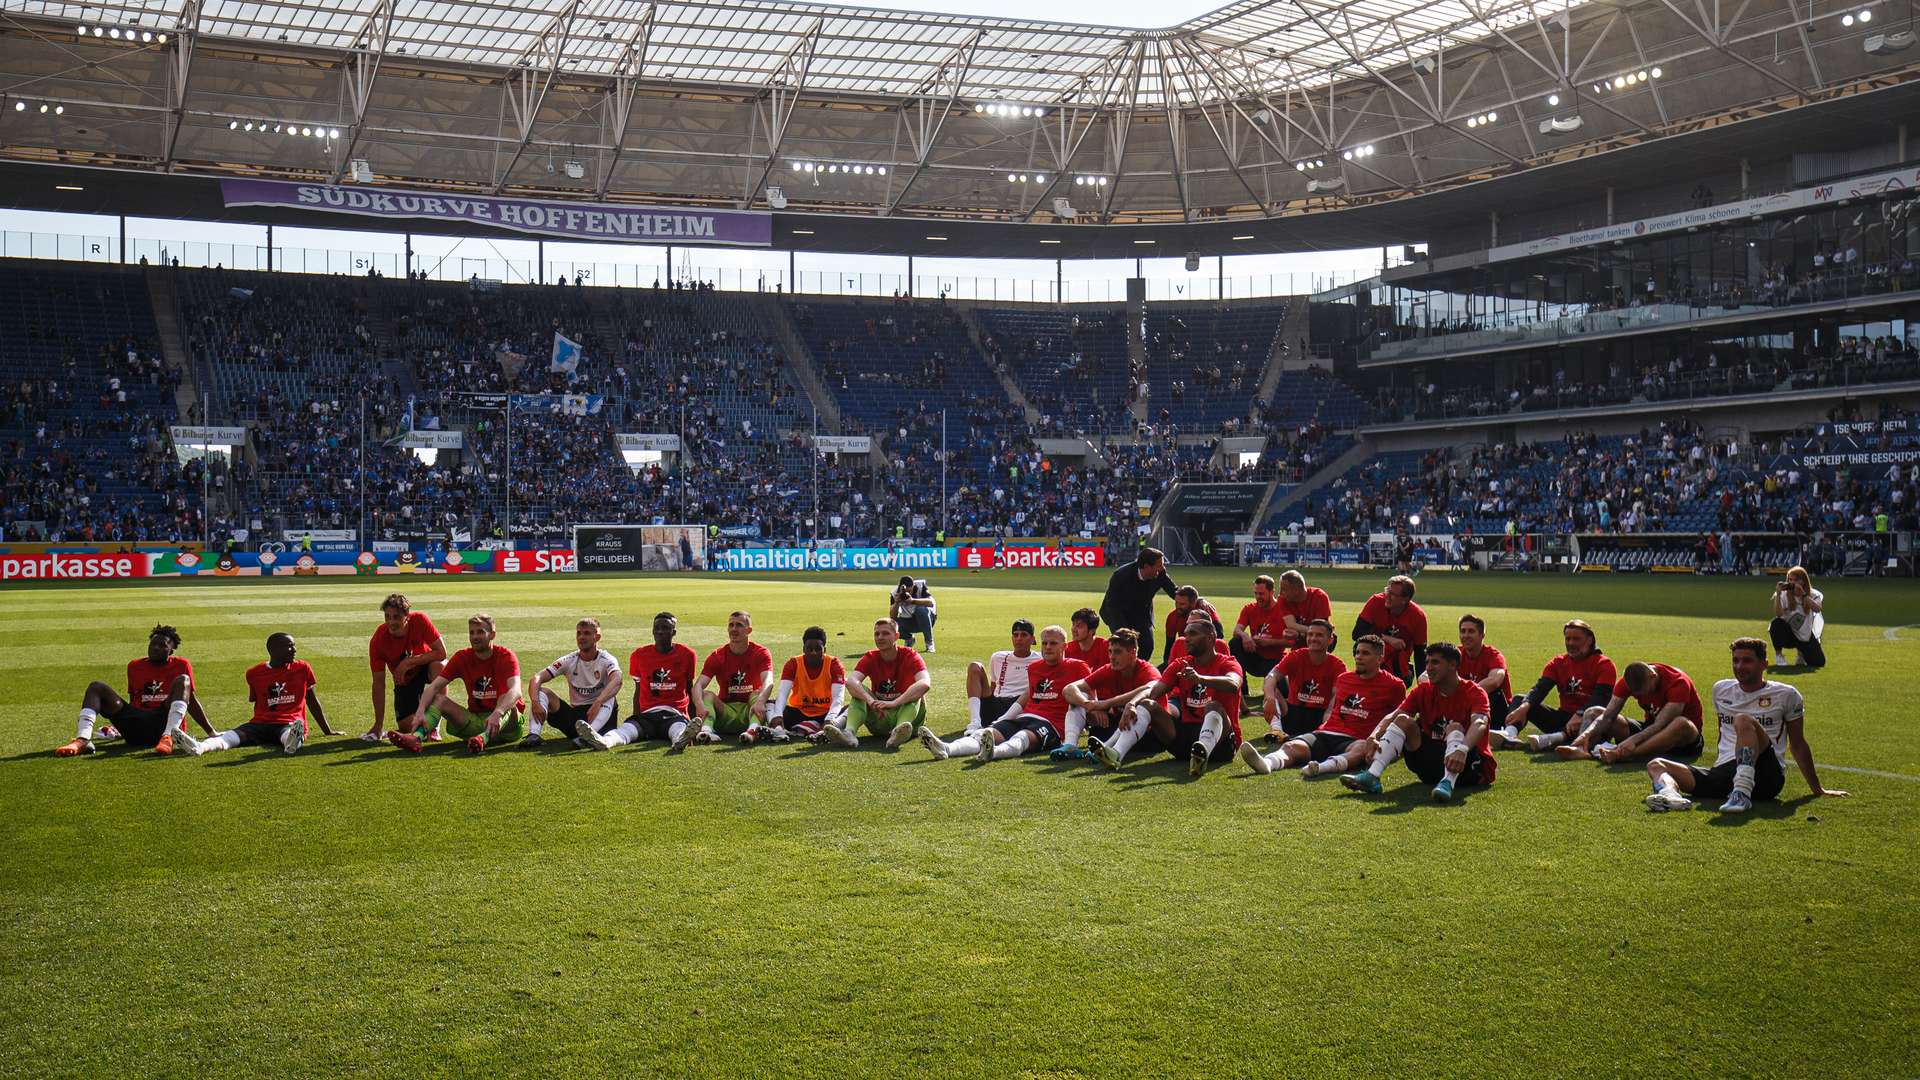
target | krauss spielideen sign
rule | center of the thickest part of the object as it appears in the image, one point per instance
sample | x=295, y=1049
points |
x=573, y=220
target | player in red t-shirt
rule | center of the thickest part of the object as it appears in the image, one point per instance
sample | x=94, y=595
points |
x=1581, y=674
x=1301, y=604
x=282, y=693
x=1308, y=675
x=741, y=671
x=407, y=646
x=1259, y=639
x=1672, y=727
x=1441, y=728
x=159, y=696
x=1087, y=646
x=1482, y=663
x=1360, y=700
x=893, y=697
x=1107, y=696
x=1400, y=623
x=1194, y=709
x=1040, y=722
x=492, y=714
x=1185, y=599
x=662, y=676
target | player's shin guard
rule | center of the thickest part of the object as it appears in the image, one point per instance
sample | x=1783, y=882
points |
x=964, y=746
x=1211, y=729
x=1743, y=772
x=176, y=716
x=973, y=715
x=1391, y=743
x=1130, y=735
x=1076, y=724
x=84, y=729
x=1013, y=747
x=622, y=735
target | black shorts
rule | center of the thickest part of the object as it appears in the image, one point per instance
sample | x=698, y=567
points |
x=254, y=733
x=139, y=727
x=1251, y=662
x=406, y=695
x=1044, y=737
x=1549, y=719
x=1322, y=745
x=1300, y=719
x=1717, y=782
x=1429, y=762
x=993, y=708
x=1687, y=752
x=657, y=722
x=564, y=716
x=1185, y=735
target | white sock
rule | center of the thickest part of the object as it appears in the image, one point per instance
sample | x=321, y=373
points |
x=1337, y=763
x=1210, y=731
x=675, y=730
x=1510, y=733
x=176, y=716
x=622, y=735
x=1013, y=747
x=1076, y=723
x=1743, y=773
x=1276, y=759
x=1456, y=744
x=85, y=728
x=973, y=714
x=1667, y=784
x=1391, y=744
x=226, y=740
x=963, y=746
x=1550, y=740
x=535, y=727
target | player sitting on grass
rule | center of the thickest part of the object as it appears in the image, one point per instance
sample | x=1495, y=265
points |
x=1579, y=674
x=1186, y=598
x=1259, y=639
x=1040, y=719
x=159, y=696
x=1761, y=722
x=893, y=698
x=740, y=671
x=1673, y=718
x=406, y=645
x=1441, y=729
x=1106, y=698
x=812, y=693
x=1482, y=663
x=662, y=693
x=1195, y=706
x=1308, y=675
x=491, y=716
x=1086, y=645
x=1361, y=699
x=1392, y=616
x=281, y=691
x=994, y=689
x=593, y=690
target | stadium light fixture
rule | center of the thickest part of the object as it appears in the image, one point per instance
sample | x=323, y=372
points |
x=1553, y=100
x=1050, y=241
x=19, y=106
x=936, y=238
x=1248, y=236
x=233, y=125
x=1145, y=241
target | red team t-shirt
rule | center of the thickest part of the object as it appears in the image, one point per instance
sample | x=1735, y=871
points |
x=1579, y=680
x=279, y=695
x=662, y=680
x=1094, y=655
x=1194, y=703
x=737, y=676
x=1674, y=686
x=1360, y=704
x=1044, y=685
x=1314, y=605
x=1409, y=626
x=1437, y=710
x=1106, y=682
x=486, y=679
x=147, y=681
x=1475, y=668
x=1269, y=621
x=886, y=678
x=386, y=651
x=1310, y=684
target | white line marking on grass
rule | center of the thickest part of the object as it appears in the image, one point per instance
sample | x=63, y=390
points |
x=1892, y=633
x=1872, y=772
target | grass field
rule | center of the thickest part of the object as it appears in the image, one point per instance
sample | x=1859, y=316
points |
x=788, y=911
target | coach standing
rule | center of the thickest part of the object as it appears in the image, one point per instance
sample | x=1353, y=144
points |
x=1129, y=599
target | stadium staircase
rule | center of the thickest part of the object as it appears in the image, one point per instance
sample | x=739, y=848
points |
x=1279, y=501
x=173, y=344
x=801, y=363
x=970, y=317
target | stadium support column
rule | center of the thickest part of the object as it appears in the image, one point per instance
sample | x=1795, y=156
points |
x=123, y=238
x=1059, y=281
x=539, y=262
x=1220, y=277
x=408, y=243
x=1493, y=228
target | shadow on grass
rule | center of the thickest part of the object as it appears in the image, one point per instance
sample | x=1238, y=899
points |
x=1762, y=811
x=1145, y=775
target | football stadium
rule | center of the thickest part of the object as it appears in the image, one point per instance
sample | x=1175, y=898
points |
x=1301, y=537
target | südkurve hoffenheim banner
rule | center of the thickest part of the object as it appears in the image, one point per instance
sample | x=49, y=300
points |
x=540, y=217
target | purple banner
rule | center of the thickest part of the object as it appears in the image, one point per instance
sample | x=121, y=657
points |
x=540, y=217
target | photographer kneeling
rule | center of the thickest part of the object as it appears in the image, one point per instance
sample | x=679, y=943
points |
x=1797, y=620
x=913, y=608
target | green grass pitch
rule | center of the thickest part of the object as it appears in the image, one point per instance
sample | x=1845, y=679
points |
x=781, y=911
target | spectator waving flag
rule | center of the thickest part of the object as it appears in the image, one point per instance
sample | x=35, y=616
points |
x=566, y=354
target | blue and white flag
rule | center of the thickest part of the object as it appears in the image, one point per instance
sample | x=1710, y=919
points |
x=239, y=293
x=566, y=354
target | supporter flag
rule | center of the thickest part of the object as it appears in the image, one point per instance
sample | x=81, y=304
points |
x=510, y=362
x=239, y=293
x=566, y=354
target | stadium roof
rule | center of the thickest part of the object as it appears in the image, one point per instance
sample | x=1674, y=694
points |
x=1260, y=113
